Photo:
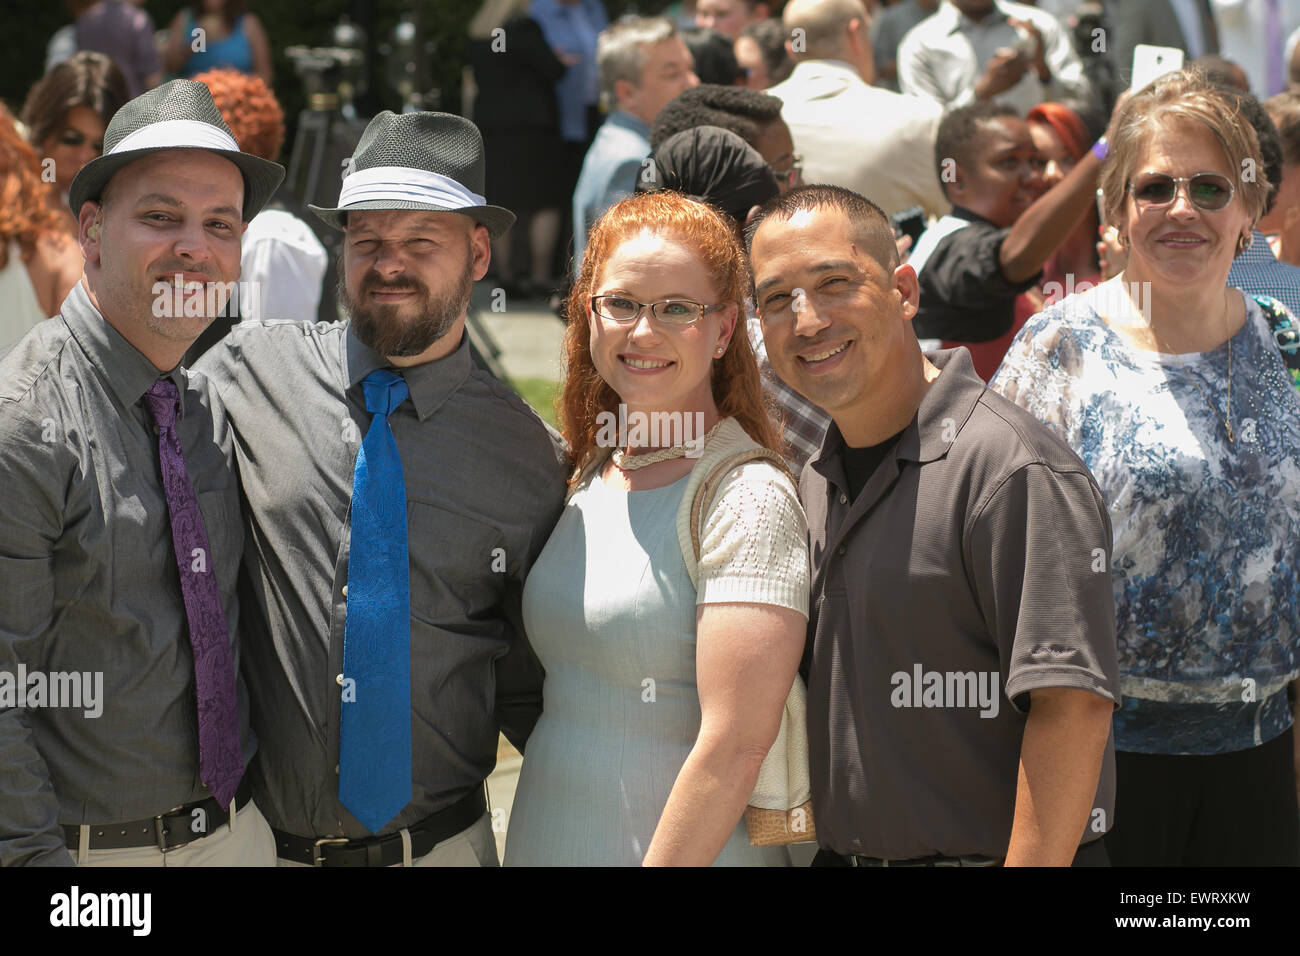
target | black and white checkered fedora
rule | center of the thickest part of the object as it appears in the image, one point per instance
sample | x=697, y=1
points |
x=419, y=160
x=176, y=115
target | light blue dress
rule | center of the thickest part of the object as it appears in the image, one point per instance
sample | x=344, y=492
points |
x=610, y=611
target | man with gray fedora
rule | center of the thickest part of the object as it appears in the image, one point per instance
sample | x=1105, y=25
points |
x=396, y=496
x=124, y=724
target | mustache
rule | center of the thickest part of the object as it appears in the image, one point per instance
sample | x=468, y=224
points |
x=399, y=285
x=171, y=269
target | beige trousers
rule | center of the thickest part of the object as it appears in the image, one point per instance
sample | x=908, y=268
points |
x=245, y=841
x=473, y=846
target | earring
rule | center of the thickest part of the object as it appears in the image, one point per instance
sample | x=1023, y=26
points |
x=1244, y=243
x=719, y=350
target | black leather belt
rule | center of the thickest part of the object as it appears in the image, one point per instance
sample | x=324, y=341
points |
x=167, y=831
x=383, y=850
x=972, y=860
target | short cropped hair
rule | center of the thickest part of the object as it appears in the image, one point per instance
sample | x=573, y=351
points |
x=744, y=112
x=1187, y=95
x=868, y=221
x=958, y=129
x=621, y=51
x=1284, y=110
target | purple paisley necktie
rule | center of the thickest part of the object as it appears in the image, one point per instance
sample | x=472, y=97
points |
x=221, y=763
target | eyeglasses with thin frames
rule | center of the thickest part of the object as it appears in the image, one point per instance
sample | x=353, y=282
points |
x=621, y=309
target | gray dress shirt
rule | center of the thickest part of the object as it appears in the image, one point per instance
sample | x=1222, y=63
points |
x=485, y=483
x=89, y=583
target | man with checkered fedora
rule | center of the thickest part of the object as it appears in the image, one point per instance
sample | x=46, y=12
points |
x=396, y=496
x=124, y=724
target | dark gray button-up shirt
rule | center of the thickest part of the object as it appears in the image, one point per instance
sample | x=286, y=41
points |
x=972, y=568
x=89, y=584
x=484, y=487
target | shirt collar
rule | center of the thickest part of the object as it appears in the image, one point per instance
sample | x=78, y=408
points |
x=430, y=383
x=124, y=367
x=626, y=120
x=943, y=413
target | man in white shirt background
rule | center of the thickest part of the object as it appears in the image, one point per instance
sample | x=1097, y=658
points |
x=991, y=50
x=848, y=132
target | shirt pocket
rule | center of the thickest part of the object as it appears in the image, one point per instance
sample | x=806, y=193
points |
x=458, y=566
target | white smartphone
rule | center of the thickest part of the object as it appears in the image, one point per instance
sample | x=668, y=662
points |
x=1151, y=62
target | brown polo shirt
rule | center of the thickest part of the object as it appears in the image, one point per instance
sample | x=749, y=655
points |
x=973, y=567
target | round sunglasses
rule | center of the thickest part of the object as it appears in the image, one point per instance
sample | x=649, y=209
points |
x=1208, y=191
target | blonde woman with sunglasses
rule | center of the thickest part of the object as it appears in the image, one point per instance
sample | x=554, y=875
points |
x=1168, y=383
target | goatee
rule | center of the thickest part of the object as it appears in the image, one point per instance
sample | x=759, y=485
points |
x=383, y=328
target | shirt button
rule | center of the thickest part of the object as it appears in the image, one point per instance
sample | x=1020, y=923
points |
x=840, y=550
x=336, y=768
x=345, y=590
x=844, y=499
x=339, y=680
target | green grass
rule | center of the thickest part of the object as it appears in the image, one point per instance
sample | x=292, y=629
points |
x=540, y=394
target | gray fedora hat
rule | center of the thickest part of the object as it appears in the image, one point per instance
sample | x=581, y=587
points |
x=177, y=115
x=419, y=160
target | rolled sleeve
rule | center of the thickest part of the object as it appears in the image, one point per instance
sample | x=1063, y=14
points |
x=964, y=295
x=1040, y=557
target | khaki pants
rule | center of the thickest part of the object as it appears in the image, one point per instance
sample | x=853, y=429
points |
x=245, y=841
x=473, y=846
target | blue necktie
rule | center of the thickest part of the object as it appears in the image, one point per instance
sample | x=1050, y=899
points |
x=375, y=723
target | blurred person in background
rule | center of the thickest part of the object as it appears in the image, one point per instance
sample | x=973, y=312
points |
x=848, y=132
x=232, y=38
x=1169, y=385
x=572, y=28
x=643, y=65
x=753, y=116
x=516, y=110
x=1254, y=34
x=117, y=29
x=1187, y=25
x=714, y=56
x=729, y=17
x=65, y=115
x=973, y=264
x=1256, y=270
x=1062, y=138
x=282, y=263
x=39, y=261
x=760, y=51
x=976, y=50
x=1283, y=223
x=888, y=30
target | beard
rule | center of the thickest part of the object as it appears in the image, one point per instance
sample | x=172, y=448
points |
x=382, y=328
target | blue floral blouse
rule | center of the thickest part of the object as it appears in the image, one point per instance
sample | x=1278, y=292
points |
x=1205, y=563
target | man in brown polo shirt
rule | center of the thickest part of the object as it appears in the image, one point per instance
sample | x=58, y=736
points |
x=962, y=669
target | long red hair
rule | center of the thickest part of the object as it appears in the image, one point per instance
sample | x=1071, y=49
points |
x=27, y=212
x=736, y=388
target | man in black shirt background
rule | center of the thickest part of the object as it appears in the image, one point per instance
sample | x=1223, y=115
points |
x=973, y=262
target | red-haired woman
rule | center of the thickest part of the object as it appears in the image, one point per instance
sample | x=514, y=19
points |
x=1063, y=138
x=39, y=262
x=662, y=695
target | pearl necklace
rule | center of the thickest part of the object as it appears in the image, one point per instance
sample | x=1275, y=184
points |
x=632, y=462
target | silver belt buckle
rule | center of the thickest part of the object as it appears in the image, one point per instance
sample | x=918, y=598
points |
x=317, y=857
